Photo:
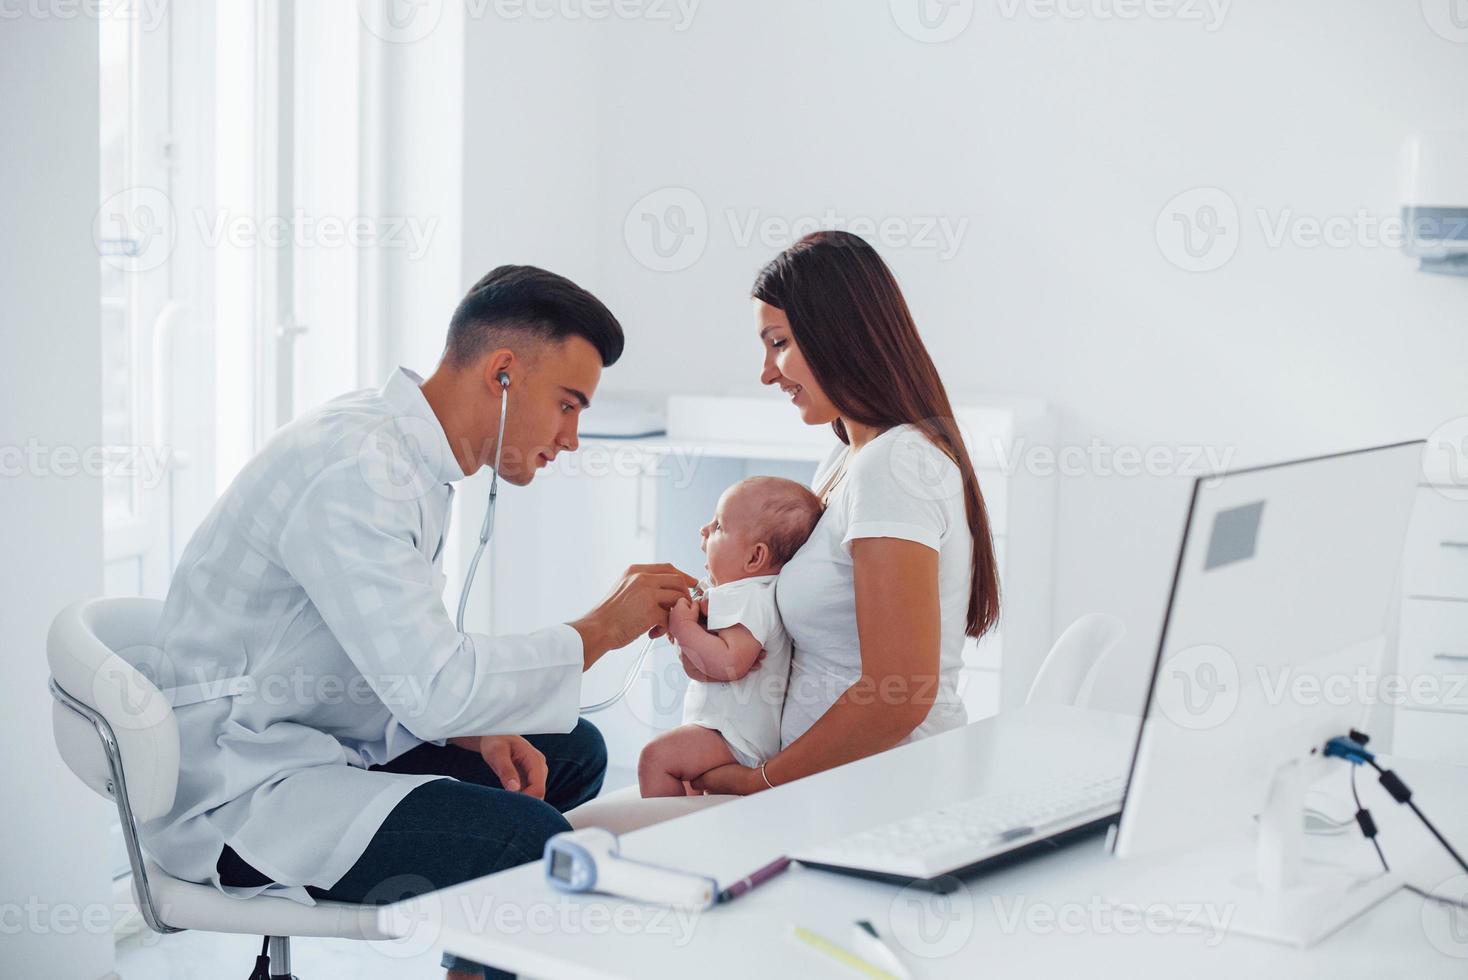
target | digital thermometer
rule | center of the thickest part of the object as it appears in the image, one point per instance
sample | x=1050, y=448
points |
x=589, y=860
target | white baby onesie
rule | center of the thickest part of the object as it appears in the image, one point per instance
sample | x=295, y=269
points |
x=747, y=711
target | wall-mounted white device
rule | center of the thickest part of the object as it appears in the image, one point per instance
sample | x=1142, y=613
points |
x=1435, y=205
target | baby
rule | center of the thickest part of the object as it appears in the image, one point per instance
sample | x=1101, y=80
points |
x=758, y=526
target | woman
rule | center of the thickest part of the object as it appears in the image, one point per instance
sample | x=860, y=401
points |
x=901, y=566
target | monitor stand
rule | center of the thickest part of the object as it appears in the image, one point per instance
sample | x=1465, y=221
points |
x=1260, y=884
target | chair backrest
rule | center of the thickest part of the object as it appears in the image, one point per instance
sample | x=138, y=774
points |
x=101, y=654
x=1071, y=666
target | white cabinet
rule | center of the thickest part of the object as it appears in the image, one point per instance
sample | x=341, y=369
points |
x=1432, y=644
x=559, y=545
x=562, y=541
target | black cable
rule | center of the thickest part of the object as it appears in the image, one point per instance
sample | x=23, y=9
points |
x=1399, y=791
x=1368, y=826
x=1459, y=903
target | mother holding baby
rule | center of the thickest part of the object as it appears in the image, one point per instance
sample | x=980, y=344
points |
x=900, y=567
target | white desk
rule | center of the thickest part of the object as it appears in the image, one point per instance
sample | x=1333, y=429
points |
x=1047, y=916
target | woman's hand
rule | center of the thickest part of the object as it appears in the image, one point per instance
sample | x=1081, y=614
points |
x=730, y=779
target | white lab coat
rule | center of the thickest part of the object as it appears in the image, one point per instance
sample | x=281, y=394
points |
x=305, y=638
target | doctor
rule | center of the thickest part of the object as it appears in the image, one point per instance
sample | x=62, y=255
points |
x=339, y=738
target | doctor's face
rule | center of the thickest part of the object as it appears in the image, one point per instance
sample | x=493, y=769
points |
x=785, y=366
x=547, y=396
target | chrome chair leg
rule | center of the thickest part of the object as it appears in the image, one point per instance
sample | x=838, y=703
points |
x=278, y=948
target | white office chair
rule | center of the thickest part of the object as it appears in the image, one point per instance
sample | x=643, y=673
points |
x=116, y=730
x=1070, y=669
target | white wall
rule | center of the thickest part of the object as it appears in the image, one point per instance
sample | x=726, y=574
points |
x=531, y=144
x=415, y=135
x=1059, y=141
x=53, y=864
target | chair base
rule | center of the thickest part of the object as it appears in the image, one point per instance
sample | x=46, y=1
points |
x=274, y=961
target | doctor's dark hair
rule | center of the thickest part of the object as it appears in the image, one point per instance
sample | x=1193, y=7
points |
x=853, y=328
x=531, y=301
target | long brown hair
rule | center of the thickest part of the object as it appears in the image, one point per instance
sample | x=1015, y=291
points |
x=855, y=331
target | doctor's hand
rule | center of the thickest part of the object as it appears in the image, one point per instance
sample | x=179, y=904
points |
x=638, y=603
x=519, y=765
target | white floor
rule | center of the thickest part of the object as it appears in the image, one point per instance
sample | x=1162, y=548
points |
x=190, y=955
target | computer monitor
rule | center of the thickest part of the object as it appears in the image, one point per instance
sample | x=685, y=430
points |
x=1272, y=644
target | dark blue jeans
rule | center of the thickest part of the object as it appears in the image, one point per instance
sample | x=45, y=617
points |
x=453, y=830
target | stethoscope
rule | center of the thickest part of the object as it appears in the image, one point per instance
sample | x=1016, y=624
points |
x=486, y=531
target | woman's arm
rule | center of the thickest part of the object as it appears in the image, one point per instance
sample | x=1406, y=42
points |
x=898, y=627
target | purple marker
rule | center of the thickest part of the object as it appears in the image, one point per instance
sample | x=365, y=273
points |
x=754, y=880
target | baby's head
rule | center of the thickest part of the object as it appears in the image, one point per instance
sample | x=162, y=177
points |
x=758, y=526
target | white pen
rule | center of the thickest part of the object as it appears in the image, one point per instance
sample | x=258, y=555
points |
x=870, y=945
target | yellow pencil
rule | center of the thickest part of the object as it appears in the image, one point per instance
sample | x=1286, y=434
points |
x=839, y=954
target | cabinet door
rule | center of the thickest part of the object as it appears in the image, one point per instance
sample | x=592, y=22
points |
x=559, y=545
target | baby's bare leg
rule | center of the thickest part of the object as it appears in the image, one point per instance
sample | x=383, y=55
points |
x=672, y=758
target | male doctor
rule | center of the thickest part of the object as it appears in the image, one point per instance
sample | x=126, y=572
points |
x=339, y=738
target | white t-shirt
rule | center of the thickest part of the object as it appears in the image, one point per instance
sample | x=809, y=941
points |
x=899, y=485
x=747, y=711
